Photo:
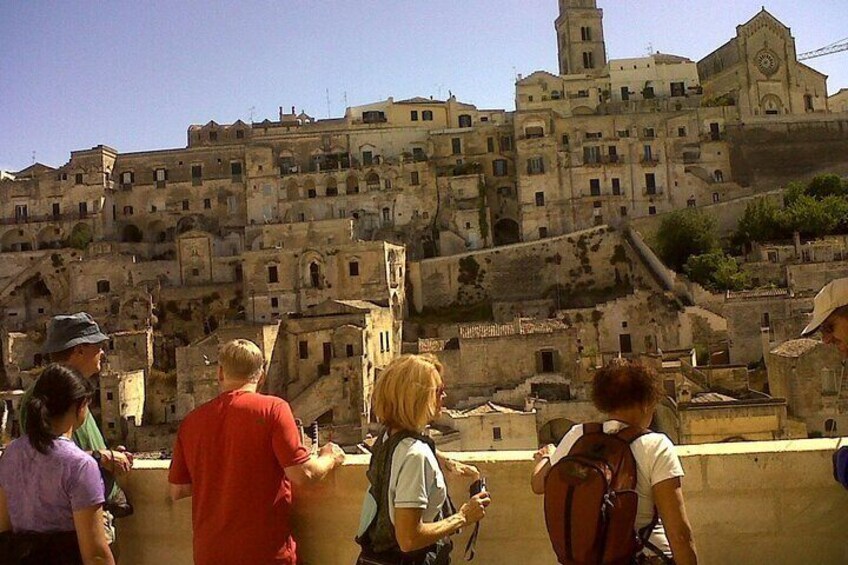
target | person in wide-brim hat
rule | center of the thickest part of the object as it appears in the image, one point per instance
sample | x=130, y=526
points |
x=830, y=315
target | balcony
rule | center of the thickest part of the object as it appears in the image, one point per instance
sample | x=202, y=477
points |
x=650, y=160
x=751, y=502
x=32, y=219
x=652, y=190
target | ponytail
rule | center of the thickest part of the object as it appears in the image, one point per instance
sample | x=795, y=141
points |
x=38, y=428
x=58, y=390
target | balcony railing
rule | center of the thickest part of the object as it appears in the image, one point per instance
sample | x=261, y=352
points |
x=749, y=502
x=652, y=190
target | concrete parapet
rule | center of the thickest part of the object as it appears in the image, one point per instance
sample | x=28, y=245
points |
x=756, y=502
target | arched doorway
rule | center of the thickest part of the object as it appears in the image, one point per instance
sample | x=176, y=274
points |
x=506, y=231
x=131, y=234
x=553, y=431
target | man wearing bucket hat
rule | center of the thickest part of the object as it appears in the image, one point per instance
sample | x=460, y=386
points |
x=76, y=341
x=830, y=315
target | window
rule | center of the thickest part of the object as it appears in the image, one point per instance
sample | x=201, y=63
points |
x=490, y=144
x=464, y=121
x=647, y=153
x=427, y=115
x=349, y=350
x=678, y=89
x=540, y=199
x=543, y=232
x=353, y=268
x=533, y=132
x=314, y=275
x=652, y=210
x=196, y=175
x=499, y=167
x=718, y=176
x=468, y=225
x=808, y=103
x=388, y=184
x=232, y=204
x=650, y=183
x=413, y=115
x=413, y=178
x=382, y=346
x=616, y=187
x=195, y=272
x=595, y=187
x=235, y=171
x=588, y=60
x=715, y=131
x=496, y=434
x=367, y=158
x=591, y=154
x=83, y=208
x=623, y=133
x=715, y=197
x=213, y=136
x=648, y=92
x=765, y=320
x=160, y=176
x=613, y=153
x=273, y=275
x=311, y=193
x=535, y=166
x=691, y=203
x=506, y=143
x=625, y=93
x=207, y=204
x=830, y=426
x=418, y=154
x=586, y=33
x=102, y=286
x=78, y=178
x=649, y=133
x=185, y=205
x=128, y=210
x=21, y=213
x=275, y=302
x=623, y=210
x=386, y=215
x=681, y=131
x=456, y=146
x=56, y=209
x=303, y=349
x=239, y=134
x=564, y=140
x=127, y=179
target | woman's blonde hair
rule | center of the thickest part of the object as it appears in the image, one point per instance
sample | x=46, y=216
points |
x=406, y=393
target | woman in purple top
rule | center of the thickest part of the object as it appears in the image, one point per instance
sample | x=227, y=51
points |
x=51, y=492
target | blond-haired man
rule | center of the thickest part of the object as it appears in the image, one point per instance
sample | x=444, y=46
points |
x=236, y=456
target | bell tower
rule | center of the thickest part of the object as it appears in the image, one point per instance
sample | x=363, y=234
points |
x=580, y=37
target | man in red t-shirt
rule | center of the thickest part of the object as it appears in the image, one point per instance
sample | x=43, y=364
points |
x=236, y=456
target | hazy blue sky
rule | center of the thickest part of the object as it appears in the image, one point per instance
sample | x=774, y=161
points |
x=135, y=75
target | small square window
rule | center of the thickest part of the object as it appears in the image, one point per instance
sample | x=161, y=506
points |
x=275, y=302
x=652, y=210
x=543, y=232
x=353, y=268
x=413, y=115
x=413, y=178
x=195, y=272
x=185, y=205
x=207, y=203
x=109, y=396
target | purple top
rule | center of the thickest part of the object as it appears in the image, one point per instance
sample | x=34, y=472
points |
x=43, y=491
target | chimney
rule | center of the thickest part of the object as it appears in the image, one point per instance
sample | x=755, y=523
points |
x=281, y=113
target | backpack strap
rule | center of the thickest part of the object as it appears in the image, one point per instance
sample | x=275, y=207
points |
x=593, y=428
x=645, y=538
x=632, y=433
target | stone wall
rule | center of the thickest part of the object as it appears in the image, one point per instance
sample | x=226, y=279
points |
x=758, y=502
x=573, y=267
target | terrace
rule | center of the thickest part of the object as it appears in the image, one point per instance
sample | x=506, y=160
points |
x=760, y=502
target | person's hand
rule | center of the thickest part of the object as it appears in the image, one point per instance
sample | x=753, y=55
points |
x=461, y=469
x=333, y=451
x=115, y=461
x=475, y=509
x=544, y=451
x=122, y=449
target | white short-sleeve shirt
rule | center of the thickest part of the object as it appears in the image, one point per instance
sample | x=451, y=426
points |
x=656, y=461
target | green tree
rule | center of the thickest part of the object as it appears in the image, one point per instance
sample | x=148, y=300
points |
x=760, y=222
x=823, y=186
x=685, y=233
x=794, y=190
x=80, y=236
x=716, y=271
x=810, y=217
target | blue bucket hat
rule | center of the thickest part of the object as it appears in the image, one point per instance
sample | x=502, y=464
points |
x=65, y=332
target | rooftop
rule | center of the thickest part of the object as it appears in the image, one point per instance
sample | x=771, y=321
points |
x=795, y=347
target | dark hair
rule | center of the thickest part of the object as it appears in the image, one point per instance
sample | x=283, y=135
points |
x=58, y=389
x=622, y=383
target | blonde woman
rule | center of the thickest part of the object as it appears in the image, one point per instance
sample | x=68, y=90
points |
x=407, y=517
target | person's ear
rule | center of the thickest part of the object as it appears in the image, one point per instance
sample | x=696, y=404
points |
x=261, y=380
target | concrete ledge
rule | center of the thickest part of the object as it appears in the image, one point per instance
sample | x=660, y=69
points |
x=758, y=502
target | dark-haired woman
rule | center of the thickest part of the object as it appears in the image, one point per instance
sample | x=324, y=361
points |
x=51, y=492
x=628, y=392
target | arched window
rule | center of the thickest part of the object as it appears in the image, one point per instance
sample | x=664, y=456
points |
x=352, y=185
x=332, y=188
x=830, y=426
x=718, y=175
x=315, y=275
x=372, y=181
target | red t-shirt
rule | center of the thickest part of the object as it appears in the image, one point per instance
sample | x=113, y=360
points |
x=233, y=451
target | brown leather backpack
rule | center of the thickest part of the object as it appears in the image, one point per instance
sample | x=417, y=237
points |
x=591, y=500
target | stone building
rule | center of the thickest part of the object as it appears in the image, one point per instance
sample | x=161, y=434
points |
x=488, y=427
x=838, y=102
x=758, y=72
x=328, y=358
x=809, y=374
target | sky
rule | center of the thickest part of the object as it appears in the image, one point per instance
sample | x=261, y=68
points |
x=135, y=75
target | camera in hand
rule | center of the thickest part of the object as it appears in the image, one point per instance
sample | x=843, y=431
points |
x=477, y=487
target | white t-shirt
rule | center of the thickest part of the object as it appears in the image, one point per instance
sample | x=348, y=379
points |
x=416, y=481
x=656, y=461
